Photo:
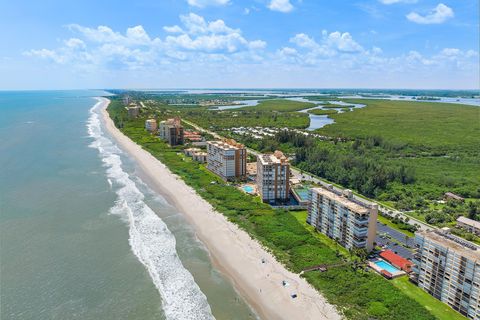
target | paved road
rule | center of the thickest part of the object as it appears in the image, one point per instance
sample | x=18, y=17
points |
x=309, y=177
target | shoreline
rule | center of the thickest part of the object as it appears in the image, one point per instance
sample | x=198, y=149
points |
x=233, y=252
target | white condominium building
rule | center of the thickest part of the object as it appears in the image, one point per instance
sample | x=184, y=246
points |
x=448, y=268
x=227, y=158
x=151, y=125
x=340, y=216
x=171, y=130
x=273, y=176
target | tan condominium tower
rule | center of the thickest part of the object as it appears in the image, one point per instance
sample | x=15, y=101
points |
x=227, y=158
x=448, y=268
x=339, y=215
x=171, y=131
x=273, y=176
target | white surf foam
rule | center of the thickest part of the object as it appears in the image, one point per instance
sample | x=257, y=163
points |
x=150, y=239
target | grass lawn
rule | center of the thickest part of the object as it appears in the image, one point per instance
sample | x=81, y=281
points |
x=439, y=309
x=301, y=217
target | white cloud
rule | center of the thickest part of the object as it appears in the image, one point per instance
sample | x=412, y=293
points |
x=280, y=5
x=196, y=39
x=206, y=3
x=195, y=49
x=304, y=41
x=75, y=43
x=439, y=14
x=397, y=1
x=343, y=42
x=173, y=29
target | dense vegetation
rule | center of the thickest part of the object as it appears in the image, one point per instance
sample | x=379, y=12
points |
x=406, y=154
x=246, y=118
x=320, y=112
x=281, y=105
x=358, y=294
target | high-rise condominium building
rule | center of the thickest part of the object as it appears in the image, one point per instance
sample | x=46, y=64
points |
x=228, y=159
x=340, y=216
x=273, y=176
x=448, y=268
x=171, y=130
x=151, y=125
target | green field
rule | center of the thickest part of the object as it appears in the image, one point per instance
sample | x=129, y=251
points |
x=219, y=120
x=360, y=294
x=431, y=126
x=440, y=310
x=281, y=105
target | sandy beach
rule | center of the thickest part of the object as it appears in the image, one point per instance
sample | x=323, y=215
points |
x=232, y=250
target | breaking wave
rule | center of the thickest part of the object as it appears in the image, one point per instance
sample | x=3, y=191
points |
x=150, y=239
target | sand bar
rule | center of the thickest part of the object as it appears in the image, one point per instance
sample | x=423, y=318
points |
x=232, y=250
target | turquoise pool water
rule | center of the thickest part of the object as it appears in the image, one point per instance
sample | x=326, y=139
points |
x=386, y=266
x=302, y=193
x=248, y=189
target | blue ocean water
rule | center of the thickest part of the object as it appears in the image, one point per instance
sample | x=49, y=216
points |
x=81, y=236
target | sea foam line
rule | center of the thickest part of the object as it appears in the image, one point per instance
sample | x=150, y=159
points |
x=150, y=239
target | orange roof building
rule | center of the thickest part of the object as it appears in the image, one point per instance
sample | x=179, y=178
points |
x=397, y=260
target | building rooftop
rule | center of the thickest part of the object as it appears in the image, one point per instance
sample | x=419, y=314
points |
x=345, y=199
x=453, y=196
x=394, y=258
x=227, y=144
x=173, y=122
x=470, y=222
x=276, y=157
x=447, y=240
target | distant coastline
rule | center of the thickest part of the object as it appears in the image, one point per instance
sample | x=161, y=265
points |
x=232, y=250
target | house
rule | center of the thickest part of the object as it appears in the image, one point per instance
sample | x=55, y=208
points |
x=452, y=196
x=469, y=225
x=397, y=261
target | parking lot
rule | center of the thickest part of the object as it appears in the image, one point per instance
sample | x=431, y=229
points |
x=386, y=234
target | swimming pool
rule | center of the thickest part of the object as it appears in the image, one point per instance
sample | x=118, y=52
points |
x=302, y=193
x=248, y=189
x=386, y=266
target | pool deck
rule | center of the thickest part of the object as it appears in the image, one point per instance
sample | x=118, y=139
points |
x=301, y=201
x=253, y=186
x=395, y=274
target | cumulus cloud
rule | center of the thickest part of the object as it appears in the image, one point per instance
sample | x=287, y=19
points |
x=194, y=39
x=197, y=47
x=280, y=5
x=439, y=14
x=206, y=3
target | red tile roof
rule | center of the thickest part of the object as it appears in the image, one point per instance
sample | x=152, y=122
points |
x=396, y=260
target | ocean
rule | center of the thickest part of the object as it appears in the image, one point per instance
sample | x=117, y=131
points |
x=81, y=235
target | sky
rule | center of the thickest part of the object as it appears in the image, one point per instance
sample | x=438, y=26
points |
x=76, y=44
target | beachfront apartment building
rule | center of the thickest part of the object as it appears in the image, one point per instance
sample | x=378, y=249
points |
x=151, y=125
x=227, y=159
x=171, y=131
x=133, y=110
x=351, y=222
x=273, y=177
x=448, y=268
